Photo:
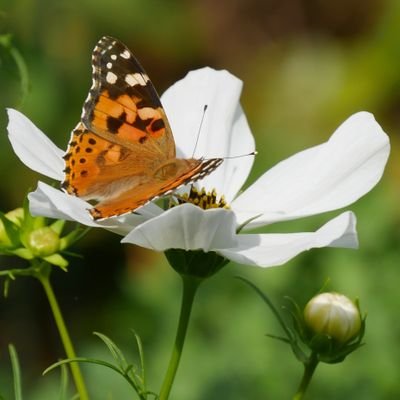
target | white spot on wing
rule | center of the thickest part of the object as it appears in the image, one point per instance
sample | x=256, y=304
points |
x=125, y=54
x=111, y=77
x=147, y=112
x=136, y=79
x=109, y=65
x=113, y=57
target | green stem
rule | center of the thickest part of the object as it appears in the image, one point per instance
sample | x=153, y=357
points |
x=190, y=286
x=43, y=277
x=309, y=369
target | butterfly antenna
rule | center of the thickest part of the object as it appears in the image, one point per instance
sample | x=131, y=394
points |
x=198, y=132
x=252, y=153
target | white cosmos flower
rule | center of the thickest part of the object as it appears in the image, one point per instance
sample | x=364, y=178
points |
x=326, y=177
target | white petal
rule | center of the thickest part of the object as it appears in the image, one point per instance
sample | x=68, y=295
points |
x=268, y=250
x=50, y=202
x=186, y=227
x=224, y=132
x=323, y=178
x=33, y=147
x=229, y=178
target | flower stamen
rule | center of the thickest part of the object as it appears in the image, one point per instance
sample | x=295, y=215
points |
x=203, y=199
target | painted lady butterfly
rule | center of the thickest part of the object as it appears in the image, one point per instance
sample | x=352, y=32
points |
x=122, y=153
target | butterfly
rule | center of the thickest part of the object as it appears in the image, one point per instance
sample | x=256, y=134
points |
x=122, y=153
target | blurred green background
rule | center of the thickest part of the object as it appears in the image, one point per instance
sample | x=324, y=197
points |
x=306, y=66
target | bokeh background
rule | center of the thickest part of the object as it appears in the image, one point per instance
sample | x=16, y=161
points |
x=306, y=66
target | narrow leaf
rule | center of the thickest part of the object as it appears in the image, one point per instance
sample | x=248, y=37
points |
x=141, y=357
x=114, y=350
x=96, y=362
x=64, y=382
x=84, y=360
x=270, y=305
x=16, y=372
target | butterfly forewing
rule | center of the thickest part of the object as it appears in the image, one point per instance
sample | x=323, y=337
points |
x=123, y=101
x=122, y=153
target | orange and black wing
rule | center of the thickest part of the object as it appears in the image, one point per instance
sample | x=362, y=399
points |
x=123, y=104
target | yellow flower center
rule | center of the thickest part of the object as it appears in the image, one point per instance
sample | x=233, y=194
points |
x=203, y=199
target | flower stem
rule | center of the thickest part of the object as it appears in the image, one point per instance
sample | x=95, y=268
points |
x=43, y=277
x=309, y=369
x=190, y=286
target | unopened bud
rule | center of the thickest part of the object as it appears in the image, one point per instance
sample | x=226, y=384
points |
x=334, y=315
x=43, y=242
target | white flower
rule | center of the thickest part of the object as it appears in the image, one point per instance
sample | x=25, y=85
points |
x=320, y=179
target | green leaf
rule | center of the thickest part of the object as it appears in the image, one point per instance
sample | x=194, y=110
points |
x=96, y=362
x=280, y=338
x=127, y=371
x=271, y=306
x=16, y=372
x=141, y=357
x=114, y=350
x=137, y=381
x=64, y=383
x=84, y=360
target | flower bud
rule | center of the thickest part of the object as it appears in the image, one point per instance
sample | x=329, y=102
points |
x=334, y=315
x=43, y=242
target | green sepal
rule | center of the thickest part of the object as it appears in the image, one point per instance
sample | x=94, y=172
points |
x=58, y=260
x=336, y=352
x=11, y=232
x=58, y=226
x=22, y=252
x=72, y=237
x=30, y=222
x=195, y=263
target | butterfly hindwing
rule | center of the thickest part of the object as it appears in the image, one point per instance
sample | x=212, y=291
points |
x=187, y=171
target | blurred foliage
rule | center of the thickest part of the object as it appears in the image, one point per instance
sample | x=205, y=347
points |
x=306, y=66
